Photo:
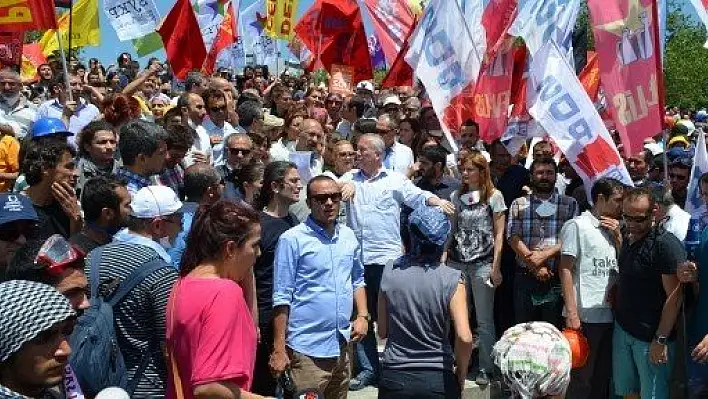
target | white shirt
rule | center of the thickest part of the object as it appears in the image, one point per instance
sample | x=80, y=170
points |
x=222, y=133
x=21, y=116
x=398, y=158
x=280, y=150
x=202, y=144
x=677, y=221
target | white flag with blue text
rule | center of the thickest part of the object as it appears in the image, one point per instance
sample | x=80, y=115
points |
x=540, y=21
x=694, y=203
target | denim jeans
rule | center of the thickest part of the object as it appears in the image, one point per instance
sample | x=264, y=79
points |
x=418, y=384
x=481, y=296
x=367, y=355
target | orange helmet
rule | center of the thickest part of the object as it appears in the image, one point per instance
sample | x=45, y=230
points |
x=579, y=347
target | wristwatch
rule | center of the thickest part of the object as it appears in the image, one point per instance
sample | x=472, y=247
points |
x=661, y=339
x=366, y=317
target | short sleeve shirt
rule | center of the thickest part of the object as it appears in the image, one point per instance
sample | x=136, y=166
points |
x=473, y=238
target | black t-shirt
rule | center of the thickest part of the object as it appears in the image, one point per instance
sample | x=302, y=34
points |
x=86, y=243
x=512, y=181
x=641, y=295
x=52, y=220
x=271, y=229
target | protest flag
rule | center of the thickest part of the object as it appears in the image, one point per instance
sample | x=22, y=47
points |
x=281, y=18
x=694, y=203
x=85, y=29
x=562, y=107
x=225, y=37
x=627, y=43
x=30, y=15
x=590, y=76
x=131, y=21
x=400, y=73
x=393, y=21
x=701, y=7
x=182, y=38
x=11, y=49
x=32, y=58
x=147, y=44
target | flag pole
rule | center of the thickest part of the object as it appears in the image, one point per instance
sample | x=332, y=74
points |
x=71, y=15
x=63, y=64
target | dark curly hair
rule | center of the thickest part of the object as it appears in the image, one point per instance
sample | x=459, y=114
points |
x=89, y=132
x=43, y=155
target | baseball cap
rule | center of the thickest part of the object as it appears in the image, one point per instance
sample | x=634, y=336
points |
x=365, y=85
x=391, y=100
x=432, y=223
x=154, y=202
x=16, y=207
x=272, y=121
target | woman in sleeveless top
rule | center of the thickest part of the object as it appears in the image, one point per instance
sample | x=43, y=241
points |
x=475, y=248
x=420, y=299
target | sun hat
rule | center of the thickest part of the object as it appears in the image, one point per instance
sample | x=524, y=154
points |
x=154, y=202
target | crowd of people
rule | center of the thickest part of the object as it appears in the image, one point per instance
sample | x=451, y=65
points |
x=252, y=235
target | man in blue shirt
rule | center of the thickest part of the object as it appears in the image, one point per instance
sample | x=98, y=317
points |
x=318, y=278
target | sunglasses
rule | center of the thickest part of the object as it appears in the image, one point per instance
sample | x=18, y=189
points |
x=12, y=231
x=635, y=219
x=347, y=154
x=57, y=254
x=236, y=151
x=322, y=198
x=218, y=109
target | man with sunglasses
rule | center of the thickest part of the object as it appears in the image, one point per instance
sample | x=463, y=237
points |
x=333, y=103
x=217, y=125
x=679, y=175
x=647, y=301
x=238, y=149
x=18, y=224
x=319, y=281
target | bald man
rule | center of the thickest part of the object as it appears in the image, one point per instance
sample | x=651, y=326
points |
x=193, y=110
x=14, y=107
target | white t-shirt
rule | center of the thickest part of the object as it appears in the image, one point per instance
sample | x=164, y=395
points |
x=202, y=144
x=595, y=266
x=222, y=133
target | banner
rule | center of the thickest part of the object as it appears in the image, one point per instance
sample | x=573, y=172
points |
x=182, y=38
x=564, y=110
x=497, y=17
x=225, y=38
x=493, y=95
x=11, y=48
x=340, y=80
x=543, y=20
x=24, y=15
x=210, y=15
x=626, y=34
x=281, y=18
x=32, y=58
x=444, y=57
x=131, y=19
x=392, y=19
x=694, y=203
x=701, y=7
x=253, y=44
x=85, y=29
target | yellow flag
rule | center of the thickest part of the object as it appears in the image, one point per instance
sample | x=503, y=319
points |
x=85, y=30
x=280, y=22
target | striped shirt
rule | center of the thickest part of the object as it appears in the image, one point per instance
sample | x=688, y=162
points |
x=140, y=316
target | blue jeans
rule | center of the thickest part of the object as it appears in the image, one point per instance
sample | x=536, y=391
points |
x=418, y=384
x=482, y=296
x=632, y=370
x=367, y=355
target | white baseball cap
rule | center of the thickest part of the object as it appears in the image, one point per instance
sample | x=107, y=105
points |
x=154, y=202
x=365, y=85
x=391, y=100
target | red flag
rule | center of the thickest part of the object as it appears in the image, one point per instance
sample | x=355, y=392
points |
x=627, y=43
x=11, y=48
x=23, y=15
x=400, y=73
x=393, y=21
x=182, y=39
x=334, y=32
x=497, y=17
x=225, y=37
x=590, y=76
x=493, y=95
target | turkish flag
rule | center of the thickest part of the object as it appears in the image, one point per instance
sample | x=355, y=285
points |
x=30, y=15
x=333, y=30
x=182, y=39
x=400, y=73
x=590, y=76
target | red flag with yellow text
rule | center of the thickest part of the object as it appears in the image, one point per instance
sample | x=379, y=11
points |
x=24, y=15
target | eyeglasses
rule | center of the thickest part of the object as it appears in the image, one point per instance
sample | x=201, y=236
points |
x=636, y=219
x=347, y=154
x=322, y=198
x=236, y=151
x=218, y=109
x=177, y=219
x=57, y=254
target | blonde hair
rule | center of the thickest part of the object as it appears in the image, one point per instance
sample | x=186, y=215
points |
x=486, y=186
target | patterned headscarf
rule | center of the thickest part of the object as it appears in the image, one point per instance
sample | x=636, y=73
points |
x=28, y=308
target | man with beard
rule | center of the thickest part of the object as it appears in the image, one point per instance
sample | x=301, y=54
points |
x=533, y=230
x=105, y=203
x=143, y=149
x=193, y=110
x=14, y=107
x=18, y=221
x=76, y=113
x=588, y=270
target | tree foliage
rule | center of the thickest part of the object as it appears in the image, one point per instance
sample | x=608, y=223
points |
x=686, y=61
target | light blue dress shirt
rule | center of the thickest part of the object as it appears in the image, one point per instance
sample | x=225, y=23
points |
x=85, y=114
x=398, y=158
x=315, y=274
x=129, y=237
x=375, y=212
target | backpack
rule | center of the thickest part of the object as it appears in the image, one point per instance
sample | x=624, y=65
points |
x=96, y=357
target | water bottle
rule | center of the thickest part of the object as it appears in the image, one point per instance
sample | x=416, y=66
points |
x=693, y=238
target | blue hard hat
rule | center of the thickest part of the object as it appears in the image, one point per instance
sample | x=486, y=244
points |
x=44, y=127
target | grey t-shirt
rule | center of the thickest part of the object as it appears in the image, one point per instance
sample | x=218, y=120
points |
x=473, y=238
x=418, y=304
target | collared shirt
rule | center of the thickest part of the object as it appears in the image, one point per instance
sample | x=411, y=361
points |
x=398, y=158
x=536, y=231
x=202, y=144
x=172, y=178
x=84, y=114
x=218, y=134
x=375, y=212
x=177, y=250
x=280, y=150
x=315, y=276
x=135, y=181
x=128, y=237
x=24, y=113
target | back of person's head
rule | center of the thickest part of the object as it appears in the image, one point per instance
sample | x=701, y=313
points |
x=606, y=187
x=43, y=155
x=248, y=112
x=248, y=95
x=193, y=81
x=534, y=360
x=274, y=173
x=198, y=179
x=139, y=137
x=429, y=228
x=119, y=109
x=179, y=137
x=360, y=105
x=213, y=226
x=98, y=194
x=22, y=266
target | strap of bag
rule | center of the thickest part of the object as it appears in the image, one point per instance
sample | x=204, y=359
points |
x=94, y=270
x=135, y=278
x=170, y=352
